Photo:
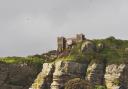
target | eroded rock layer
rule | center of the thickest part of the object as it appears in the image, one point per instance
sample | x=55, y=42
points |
x=95, y=73
x=17, y=76
x=116, y=76
x=44, y=78
x=55, y=75
x=65, y=71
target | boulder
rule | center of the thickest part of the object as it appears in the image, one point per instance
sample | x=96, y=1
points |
x=87, y=46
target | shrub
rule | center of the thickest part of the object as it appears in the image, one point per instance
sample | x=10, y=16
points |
x=100, y=87
x=77, y=83
x=27, y=60
x=116, y=82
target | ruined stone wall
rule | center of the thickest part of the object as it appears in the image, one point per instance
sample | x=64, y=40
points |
x=61, y=44
x=62, y=41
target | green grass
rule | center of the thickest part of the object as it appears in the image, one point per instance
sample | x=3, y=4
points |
x=113, y=52
x=21, y=60
x=116, y=82
x=100, y=87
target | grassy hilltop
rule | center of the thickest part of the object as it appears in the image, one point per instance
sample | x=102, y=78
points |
x=113, y=51
x=109, y=51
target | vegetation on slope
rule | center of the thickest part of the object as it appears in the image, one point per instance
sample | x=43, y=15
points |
x=33, y=59
x=113, y=51
x=23, y=60
x=17, y=75
x=77, y=83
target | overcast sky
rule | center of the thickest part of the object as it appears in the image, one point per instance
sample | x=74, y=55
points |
x=31, y=26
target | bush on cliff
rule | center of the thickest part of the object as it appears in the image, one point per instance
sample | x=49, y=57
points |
x=100, y=87
x=23, y=60
x=114, y=50
x=77, y=83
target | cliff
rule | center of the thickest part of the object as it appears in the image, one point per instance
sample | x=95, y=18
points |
x=17, y=76
x=101, y=63
x=56, y=75
x=88, y=64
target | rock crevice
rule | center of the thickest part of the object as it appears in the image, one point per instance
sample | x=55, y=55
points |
x=55, y=75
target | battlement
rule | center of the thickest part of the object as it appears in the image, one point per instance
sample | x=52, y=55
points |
x=65, y=43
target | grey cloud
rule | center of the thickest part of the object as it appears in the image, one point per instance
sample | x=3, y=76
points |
x=31, y=26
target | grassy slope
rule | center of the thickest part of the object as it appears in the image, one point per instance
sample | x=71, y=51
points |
x=114, y=51
x=21, y=60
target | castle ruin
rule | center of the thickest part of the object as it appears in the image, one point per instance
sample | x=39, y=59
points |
x=65, y=43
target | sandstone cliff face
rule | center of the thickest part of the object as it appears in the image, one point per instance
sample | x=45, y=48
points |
x=95, y=73
x=116, y=76
x=44, y=78
x=65, y=71
x=16, y=76
x=55, y=75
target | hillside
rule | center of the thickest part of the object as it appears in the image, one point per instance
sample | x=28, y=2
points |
x=17, y=76
x=98, y=64
x=101, y=63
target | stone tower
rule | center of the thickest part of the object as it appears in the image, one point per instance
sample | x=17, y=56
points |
x=80, y=37
x=61, y=43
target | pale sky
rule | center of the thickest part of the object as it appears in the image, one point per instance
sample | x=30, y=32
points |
x=31, y=26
